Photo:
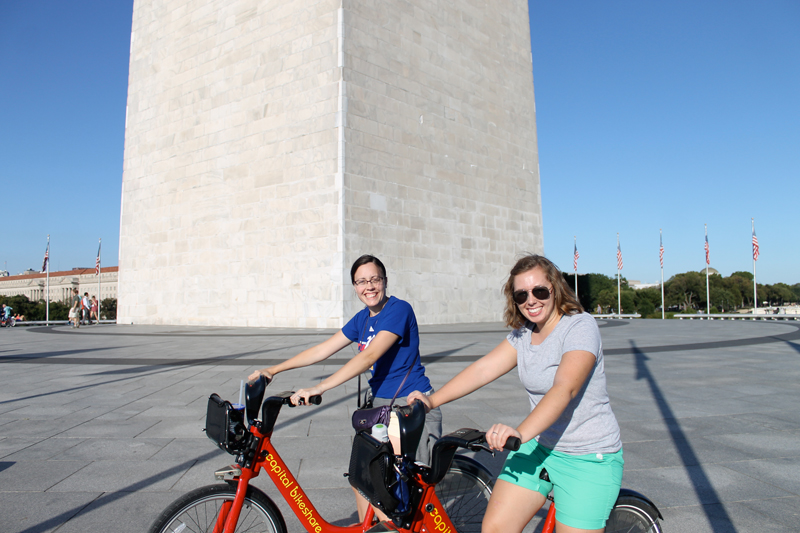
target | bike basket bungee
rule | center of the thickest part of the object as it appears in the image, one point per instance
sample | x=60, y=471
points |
x=225, y=425
x=372, y=472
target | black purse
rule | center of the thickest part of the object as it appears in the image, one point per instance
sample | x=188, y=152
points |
x=367, y=416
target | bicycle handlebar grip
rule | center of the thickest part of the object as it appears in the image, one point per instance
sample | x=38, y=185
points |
x=512, y=443
x=316, y=399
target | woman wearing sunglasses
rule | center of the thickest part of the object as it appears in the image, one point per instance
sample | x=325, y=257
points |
x=571, y=431
x=388, y=344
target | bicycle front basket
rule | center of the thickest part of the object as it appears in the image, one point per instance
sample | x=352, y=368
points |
x=225, y=425
x=371, y=471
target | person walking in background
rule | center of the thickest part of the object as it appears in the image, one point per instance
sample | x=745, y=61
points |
x=86, y=308
x=95, y=308
x=6, y=314
x=75, y=309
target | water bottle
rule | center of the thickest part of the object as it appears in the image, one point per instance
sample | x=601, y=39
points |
x=380, y=432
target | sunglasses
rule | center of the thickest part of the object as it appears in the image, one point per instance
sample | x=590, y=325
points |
x=540, y=293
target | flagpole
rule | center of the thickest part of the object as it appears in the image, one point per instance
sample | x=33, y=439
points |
x=708, y=298
x=619, y=277
x=575, y=264
x=661, y=260
x=47, y=286
x=755, y=296
x=99, y=242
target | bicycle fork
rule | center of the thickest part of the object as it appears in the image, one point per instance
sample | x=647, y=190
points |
x=229, y=512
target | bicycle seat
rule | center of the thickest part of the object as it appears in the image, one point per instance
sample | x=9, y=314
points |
x=254, y=394
x=412, y=423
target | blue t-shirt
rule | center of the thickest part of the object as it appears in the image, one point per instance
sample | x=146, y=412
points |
x=388, y=372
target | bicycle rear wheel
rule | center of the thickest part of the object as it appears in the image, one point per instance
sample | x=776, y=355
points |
x=199, y=510
x=464, y=493
x=632, y=515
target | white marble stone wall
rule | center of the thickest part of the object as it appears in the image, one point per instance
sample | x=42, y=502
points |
x=268, y=144
x=442, y=164
x=229, y=212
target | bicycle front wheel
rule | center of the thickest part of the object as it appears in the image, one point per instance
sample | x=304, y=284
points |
x=464, y=493
x=632, y=515
x=200, y=510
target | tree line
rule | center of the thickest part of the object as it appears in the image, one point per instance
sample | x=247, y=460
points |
x=37, y=310
x=683, y=293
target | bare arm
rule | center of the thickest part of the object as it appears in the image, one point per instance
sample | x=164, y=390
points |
x=308, y=357
x=358, y=364
x=572, y=373
x=488, y=368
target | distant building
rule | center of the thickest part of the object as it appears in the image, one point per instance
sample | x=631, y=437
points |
x=61, y=284
x=636, y=284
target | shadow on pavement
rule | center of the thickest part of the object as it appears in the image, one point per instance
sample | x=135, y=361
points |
x=107, y=498
x=719, y=520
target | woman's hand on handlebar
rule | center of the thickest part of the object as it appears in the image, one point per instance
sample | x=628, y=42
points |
x=255, y=375
x=302, y=395
x=417, y=396
x=497, y=435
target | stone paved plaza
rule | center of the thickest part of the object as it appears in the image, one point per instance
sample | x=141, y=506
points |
x=102, y=426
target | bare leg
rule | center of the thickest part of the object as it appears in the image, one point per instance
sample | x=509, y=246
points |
x=510, y=508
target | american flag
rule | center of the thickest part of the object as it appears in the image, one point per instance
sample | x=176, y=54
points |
x=755, y=246
x=97, y=262
x=661, y=251
x=47, y=256
x=619, y=258
x=708, y=262
x=575, y=258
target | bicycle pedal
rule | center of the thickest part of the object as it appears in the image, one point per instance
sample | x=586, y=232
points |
x=229, y=473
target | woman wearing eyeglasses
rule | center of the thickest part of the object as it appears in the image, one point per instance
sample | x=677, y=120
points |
x=388, y=343
x=571, y=431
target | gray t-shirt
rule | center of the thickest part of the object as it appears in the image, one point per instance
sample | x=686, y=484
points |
x=587, y=425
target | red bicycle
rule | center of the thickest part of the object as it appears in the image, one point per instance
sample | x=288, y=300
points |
x=449, y=496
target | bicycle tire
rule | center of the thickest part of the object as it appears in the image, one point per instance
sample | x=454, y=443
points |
x=464, y=493
x=197, y=511
x=633, y=515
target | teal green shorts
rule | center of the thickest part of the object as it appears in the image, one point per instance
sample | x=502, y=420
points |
x=584, y=487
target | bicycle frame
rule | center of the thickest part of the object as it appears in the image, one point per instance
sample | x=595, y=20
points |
x=428, y=516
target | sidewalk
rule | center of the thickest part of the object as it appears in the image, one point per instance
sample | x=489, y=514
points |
x=102, y=426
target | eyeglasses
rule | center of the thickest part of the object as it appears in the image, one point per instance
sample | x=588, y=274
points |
x=540, y=293
x=376, y=281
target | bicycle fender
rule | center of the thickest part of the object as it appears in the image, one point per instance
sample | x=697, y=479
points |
x=634, y=494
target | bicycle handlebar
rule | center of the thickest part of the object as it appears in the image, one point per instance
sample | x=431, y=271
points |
x=445, y=448
x=316, y=399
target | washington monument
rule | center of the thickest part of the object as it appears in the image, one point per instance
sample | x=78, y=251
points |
x=270, y=143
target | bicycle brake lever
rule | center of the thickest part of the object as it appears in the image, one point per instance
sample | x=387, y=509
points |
x=481, y=447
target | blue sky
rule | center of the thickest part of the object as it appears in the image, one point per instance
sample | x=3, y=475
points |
x=650, y=115
x=669, y=115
